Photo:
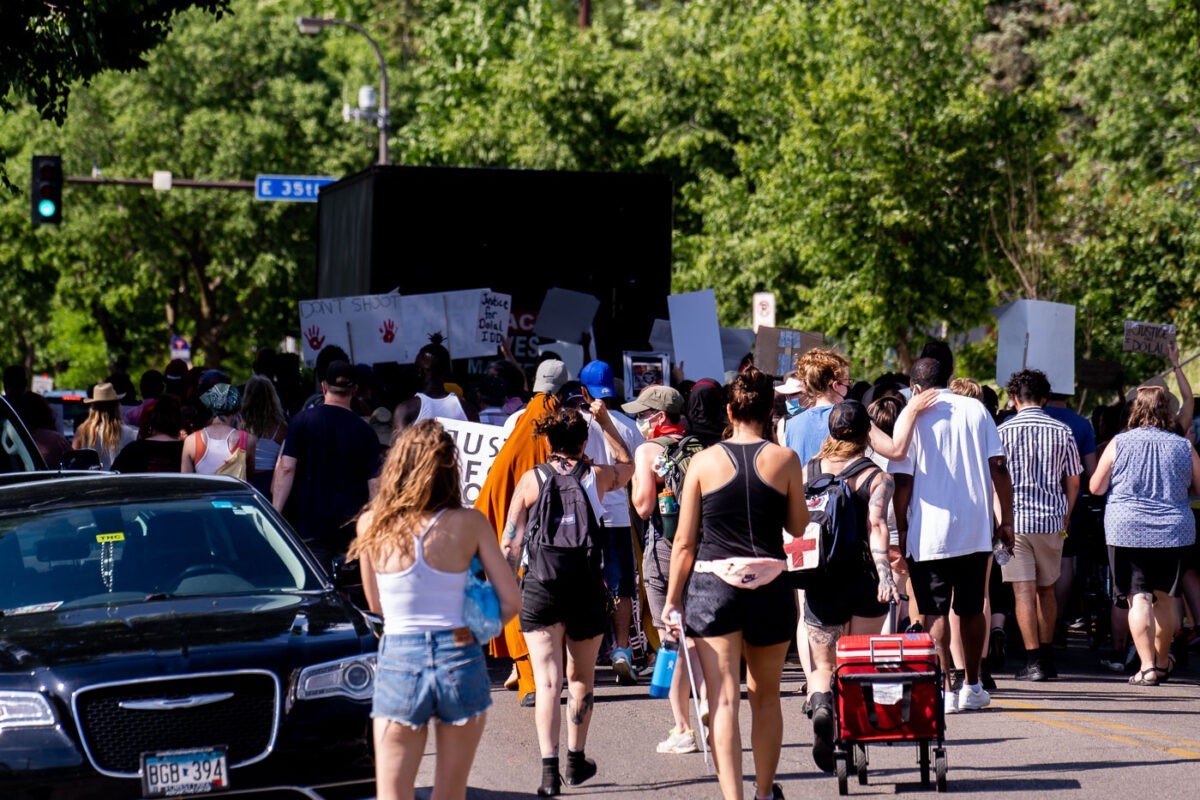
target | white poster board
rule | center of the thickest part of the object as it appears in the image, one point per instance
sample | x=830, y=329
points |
x=421, y=316
x=565, y=315
x=696, y=334
x=660, y=339
x=368, y=327
x=736, y=344
x=570, y=354
x=762, y=310
x=1036, y=334
x=478, y=444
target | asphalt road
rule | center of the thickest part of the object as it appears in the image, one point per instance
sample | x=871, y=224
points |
x=1087, y=734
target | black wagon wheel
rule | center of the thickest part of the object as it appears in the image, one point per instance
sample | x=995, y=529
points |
x=940, y=767
x=924, y=762
x=860, y=763
x=841, y=761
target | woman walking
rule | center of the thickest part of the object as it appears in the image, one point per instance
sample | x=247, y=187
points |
x=737, y=498
x=415, y=543
x=218, y=447
x=1148, y=524
x=262, y=416
x=104, y=430
x=568, y=610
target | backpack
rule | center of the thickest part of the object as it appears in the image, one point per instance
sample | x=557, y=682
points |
x=832, y=535
x=677, y=456
x=564, y=542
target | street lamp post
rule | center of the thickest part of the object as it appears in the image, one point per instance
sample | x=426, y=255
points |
x=312, y=25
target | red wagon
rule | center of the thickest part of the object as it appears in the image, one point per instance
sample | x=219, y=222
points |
x=888, y=689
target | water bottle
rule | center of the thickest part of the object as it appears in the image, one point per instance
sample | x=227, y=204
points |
x=664, y=668
x=1001, y=553
x=668, y=511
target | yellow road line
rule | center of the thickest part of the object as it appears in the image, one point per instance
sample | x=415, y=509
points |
x=1182, y=752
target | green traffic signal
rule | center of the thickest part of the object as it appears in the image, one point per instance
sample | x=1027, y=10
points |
x=46, y=190
x=46, y=208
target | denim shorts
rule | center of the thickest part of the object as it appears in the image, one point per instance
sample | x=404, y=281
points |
x=424, y=675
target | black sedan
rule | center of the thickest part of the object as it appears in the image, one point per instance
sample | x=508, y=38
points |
x=167, y=635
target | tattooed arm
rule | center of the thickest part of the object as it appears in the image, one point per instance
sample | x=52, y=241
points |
x=513, y=534
x=882, y=488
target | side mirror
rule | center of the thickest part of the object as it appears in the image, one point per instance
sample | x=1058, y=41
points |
x=345, y=573
x=80, y=459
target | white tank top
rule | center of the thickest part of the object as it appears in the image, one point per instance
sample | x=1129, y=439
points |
x=421, y=598
x=216, y=452
x=447, y=406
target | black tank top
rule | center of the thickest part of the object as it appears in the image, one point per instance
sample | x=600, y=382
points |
x=743, y=518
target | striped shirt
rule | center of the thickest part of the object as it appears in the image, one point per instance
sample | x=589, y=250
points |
x=1041, y=452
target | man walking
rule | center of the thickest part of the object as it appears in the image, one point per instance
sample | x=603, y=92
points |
x=332, y=456
x=943, y=505
x=1045, y=466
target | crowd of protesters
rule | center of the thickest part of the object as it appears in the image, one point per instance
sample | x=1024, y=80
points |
x=942, y=477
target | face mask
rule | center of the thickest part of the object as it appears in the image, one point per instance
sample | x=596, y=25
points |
x=793, y=406
x=644, y=427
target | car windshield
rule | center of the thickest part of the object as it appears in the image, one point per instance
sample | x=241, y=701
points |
x=14, y=455
x=102, y=555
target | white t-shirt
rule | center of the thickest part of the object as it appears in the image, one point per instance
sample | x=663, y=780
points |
x=615, y=503
x=511, y=422
x=448, y=407
x=950, y=513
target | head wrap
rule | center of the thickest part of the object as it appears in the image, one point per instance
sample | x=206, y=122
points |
x=222, y=399
x=704, y=414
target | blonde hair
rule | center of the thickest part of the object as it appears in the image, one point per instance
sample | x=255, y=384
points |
x=261, y=413
x=102, y=428
x=967, y=388
x=1151, y=408
x=843, y=449
x=819, y=370
x=420, y=476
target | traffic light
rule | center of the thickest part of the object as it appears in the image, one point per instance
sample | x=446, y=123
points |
x=46, y=196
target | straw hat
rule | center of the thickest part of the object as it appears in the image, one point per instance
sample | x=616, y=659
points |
x=104, y=393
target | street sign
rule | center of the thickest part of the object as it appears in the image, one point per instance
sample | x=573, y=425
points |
x=180, y=349
x=293, y=188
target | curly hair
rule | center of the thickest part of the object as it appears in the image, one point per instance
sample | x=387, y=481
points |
x=565, y=429
x=1151, y=408
x=820, y=370
x=421, y=476
x=751, y=396
x=1028, y=386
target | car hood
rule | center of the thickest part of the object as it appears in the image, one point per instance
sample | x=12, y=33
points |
x=180, y=630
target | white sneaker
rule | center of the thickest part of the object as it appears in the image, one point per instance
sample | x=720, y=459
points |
x=679, y=743
x=973, y=698
x=950, y=702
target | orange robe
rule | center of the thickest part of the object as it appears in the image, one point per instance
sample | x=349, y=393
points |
x=520, y=453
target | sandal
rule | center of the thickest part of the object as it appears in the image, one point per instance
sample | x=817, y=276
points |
x=1141, y=679
x=1170, y=670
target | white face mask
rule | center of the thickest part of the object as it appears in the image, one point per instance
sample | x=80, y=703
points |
x=644, y=426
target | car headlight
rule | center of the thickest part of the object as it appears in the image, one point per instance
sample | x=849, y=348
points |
x=351, y=677
x=24, y=710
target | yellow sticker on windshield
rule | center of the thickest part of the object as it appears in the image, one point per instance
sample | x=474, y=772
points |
x=110, y=537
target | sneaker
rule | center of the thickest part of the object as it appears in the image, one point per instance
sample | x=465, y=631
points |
x=679, y=743
x=622, y=665
x=950, y=702
x=971, y=698
x=987, y=681
x=997, y=649
x=1032, y=672
x=1114, y=662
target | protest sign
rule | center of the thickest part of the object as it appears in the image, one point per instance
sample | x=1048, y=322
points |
x=1036, y=334
x=478, y=445
x=367, y=327
x=421, y=317
x=565, y=315
x=736, y=343
x=466, y=311
x=762, y=310
x=645, y=369
x=494, y=310
x=1148, y=337
x=570, y=354
x=776, y=349
x=696, y=334
x=660, y=339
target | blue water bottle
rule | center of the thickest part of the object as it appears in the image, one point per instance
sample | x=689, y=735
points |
x=664, y=668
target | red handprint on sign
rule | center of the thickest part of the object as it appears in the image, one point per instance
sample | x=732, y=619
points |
x=389, y=331
x=315, y=340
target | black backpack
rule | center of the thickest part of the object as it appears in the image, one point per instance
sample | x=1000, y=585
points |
x=833, y=536
x=677, y=456
x=564, y=542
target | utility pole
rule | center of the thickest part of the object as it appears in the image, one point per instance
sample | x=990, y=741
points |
x=585, y=14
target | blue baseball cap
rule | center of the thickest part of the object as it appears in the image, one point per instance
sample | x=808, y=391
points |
x=598, y=378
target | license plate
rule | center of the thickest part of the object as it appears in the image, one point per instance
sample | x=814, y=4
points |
x=178, y=772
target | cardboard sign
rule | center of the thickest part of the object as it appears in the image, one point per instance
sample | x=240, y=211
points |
x=762, y=310
x=645, y=369
x=776, y=349
x=1036, y=334
x=494, y=310
x=40, y=384
x=565, y=315
x=478, y=445
x=696, y=334
x=1148, y=337
x=367, y=327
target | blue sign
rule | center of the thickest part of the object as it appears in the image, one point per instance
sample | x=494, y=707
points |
x=293, y=188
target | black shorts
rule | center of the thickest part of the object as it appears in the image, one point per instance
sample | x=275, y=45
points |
x=581, y=607
x=1000, y=593
x=832, y=599
x=766, y=616
x=619, y=574
x=945, y=583
x=1145, y=570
